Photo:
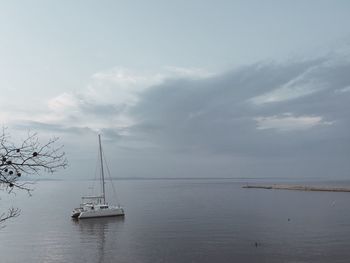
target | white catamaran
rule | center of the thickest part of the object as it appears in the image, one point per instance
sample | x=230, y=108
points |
x=96, y=206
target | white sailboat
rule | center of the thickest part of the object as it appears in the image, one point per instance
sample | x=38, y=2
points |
x=96, y=206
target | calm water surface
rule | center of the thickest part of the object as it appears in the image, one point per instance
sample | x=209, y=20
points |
x=179, y=221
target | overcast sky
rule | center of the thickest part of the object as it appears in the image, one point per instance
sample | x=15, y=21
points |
x=182, y=88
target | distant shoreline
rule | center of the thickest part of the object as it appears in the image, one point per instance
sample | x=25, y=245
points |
x=299, y=188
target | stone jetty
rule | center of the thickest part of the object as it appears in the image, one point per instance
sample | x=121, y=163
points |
x=300, y=188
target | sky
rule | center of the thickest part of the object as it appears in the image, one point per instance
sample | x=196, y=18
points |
x=182, y=88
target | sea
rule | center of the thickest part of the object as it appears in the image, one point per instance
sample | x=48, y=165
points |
x=179, y=220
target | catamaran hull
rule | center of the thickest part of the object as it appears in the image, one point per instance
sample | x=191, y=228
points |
x=75, y=214
x=101, y=213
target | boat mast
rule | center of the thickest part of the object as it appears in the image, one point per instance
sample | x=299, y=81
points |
x=102, y=173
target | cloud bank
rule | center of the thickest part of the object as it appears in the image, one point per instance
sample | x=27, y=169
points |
x=297, y=110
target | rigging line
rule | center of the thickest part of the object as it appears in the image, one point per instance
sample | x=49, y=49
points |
x=110, y=178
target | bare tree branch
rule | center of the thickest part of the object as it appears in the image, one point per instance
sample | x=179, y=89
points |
x=11, y=213
x=30, y=157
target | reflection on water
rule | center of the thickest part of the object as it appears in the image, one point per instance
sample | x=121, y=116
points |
x=99, y=234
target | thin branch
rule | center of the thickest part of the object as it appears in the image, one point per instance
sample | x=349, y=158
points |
x=11, y=213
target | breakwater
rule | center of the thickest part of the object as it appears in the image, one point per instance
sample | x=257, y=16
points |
x=300, y=188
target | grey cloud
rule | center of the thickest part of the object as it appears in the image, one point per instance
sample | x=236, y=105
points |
x=34, y=125
x=98, y=109
x=209, y=125
x=111, y=134
x=214, y=115
x=108, y=134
